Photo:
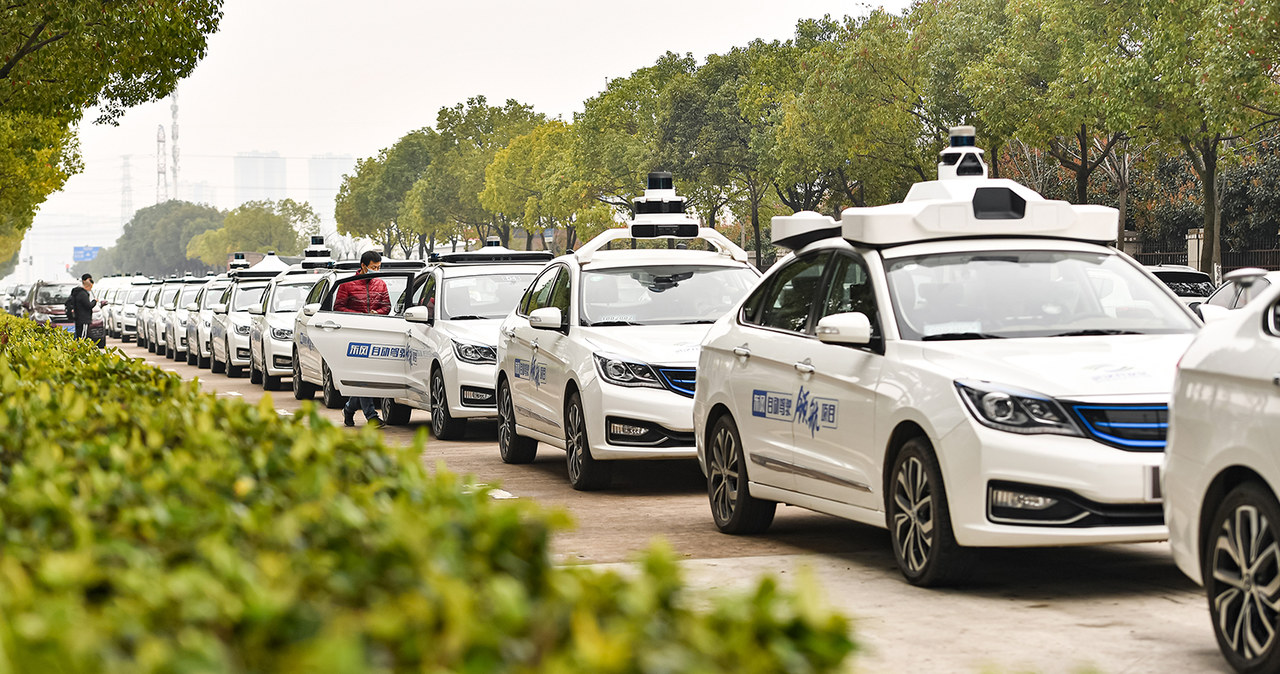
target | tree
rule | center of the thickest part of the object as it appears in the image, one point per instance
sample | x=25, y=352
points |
x=1201, y=74
x=156, y=239
x=59, y=58
x=404, y=165
x=257, y=226
x=470, y=136
x=616, y=135
x=1033, y=85
x=357, y=207
x=37, y=155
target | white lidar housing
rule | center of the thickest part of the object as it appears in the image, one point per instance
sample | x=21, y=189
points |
x=954, y=207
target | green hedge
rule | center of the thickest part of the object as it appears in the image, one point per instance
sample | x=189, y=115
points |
x=148, y=527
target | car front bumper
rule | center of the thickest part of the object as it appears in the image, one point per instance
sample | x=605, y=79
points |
x=667, y=418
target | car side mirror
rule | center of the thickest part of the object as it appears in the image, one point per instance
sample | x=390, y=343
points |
x=257, y=310
x=418, y=314
x=310, y=309
x=546, y=318
x=193, y=307
x=849, y=328
x=219, y=308
x=1212, y=312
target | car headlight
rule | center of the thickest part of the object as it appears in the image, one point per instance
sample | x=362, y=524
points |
x=282, y=334
x=1015, y=410
x=625, y=373
x=474, y=353
x=242, y=329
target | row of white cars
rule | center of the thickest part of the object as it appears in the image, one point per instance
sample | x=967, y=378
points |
x=973, y=367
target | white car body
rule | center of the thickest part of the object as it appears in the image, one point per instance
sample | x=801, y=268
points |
x=126, y=315
x=176, y=317
x=200, y=324
x=950, y=349
x=455, y=309
x=1222, y=473
x=271, y=326
x=615, y=309
x=229, y=331
x=143, y=320
x=319, y=338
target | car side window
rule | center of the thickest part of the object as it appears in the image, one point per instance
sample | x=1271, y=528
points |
x=540, y=288
x=425, y=296
x=1225, y=297
x=560, y=293
x=1259, y=286
x=850, y=290
x=317, y=292
x=791, y=295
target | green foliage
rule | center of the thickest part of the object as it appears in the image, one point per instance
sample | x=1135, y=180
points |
x=58, y=58
x=37, y=155
x=256, y=226
x=155, y=242
x=148, y=527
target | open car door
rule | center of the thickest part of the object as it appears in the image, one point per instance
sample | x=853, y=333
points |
x=361, y=334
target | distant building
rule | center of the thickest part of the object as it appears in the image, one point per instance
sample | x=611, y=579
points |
x=259, y=176
x=200, y=193
x=324, y=174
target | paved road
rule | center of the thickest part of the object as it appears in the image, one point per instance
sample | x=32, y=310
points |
x=1117, y=608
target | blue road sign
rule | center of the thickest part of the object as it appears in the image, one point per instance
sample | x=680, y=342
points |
x=85, y=253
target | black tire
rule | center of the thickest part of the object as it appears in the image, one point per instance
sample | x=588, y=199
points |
x=302, y=389
x=233, y=371
x=443, y=425
x=255, y=375
x=585, y=472
x=733, y=508
x=919, y=520
x=513, y=447
x=216, y=366
x=328, y=392
x=395, y=414
x=192, y=357
x=203, y=362
x=1245, y=532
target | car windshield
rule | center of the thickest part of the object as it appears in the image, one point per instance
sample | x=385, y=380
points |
x=54, y=293
x=488, y=296
x=1027, y=293
x=662, y=294
x=290, y=297
x=188, y=295
x=213, y=294
x=167, y=297
x=136, y=295
x=246, y=296
x=1187, y=283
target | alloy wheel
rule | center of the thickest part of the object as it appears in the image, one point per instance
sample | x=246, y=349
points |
x=913, y=515
x=723, y=472
x=1244, y=593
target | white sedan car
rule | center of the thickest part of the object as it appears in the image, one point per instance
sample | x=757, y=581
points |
x=598, y=358
x=1222, y=477
x=199, y=328
x=973, y=367
x=271, y=327
x=229, y=332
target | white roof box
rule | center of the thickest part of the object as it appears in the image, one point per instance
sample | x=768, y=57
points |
x=797, y=231
x=945, y=209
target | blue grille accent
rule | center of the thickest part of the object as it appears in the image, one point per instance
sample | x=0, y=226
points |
x=679, y=379
x=1139, y=428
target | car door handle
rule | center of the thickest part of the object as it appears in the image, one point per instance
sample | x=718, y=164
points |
x=804, y=368
x=534, y=346
x=1276, y=380
x=508, y=333
x=742, y=351
x=328, y=325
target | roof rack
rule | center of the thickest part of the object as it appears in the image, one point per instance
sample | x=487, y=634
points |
x=387, y=265
x=491, y=254
x=659, y=214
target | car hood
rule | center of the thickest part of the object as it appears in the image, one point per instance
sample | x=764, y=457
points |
x=656, y=344
x=477, y=331
x=1079, y=368
x=282, y=320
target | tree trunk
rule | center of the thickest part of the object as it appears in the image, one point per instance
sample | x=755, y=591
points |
x=528, y=239
x=755, y=223
x=1203, y=156
x=1082, y=173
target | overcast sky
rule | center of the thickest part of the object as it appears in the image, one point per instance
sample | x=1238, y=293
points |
x=304, y=78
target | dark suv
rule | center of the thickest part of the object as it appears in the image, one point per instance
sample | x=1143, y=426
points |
x=46, y=303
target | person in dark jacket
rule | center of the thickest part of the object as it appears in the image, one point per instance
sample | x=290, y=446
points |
x=82, y=304
x=367, y=296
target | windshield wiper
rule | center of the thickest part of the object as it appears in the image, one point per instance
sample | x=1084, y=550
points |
x=703, y=321
x=468, y=317
x=609, y=323
x=959, y=335
x=1087, y=333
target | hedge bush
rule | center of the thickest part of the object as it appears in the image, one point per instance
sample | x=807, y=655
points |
x=148, y=527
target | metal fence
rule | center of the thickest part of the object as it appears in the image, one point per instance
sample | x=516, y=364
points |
x=1161, y=258
x=1266, y=259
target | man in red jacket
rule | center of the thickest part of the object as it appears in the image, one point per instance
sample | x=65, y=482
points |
x=364, y=296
